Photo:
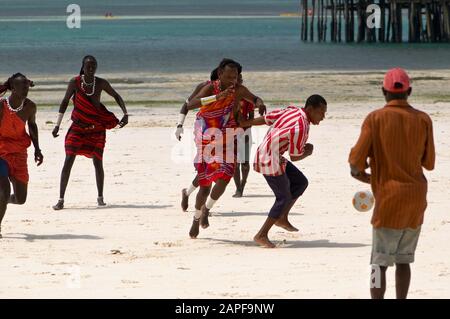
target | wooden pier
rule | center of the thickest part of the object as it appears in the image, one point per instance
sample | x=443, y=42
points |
x=346, y=21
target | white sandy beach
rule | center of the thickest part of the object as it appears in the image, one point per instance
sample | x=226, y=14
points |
x=138, y=246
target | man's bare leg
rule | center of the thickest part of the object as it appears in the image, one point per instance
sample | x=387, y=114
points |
x=237, y=181
x=402, y=280
x=298, y=185
x=65, y=174
x=20, y=192
x=245, y=171
x=283, y=221
x=186, y=192
x=202, y=196
x=5, y=191
x=100, y=179
x=378, y=293
x=262, y=237
x=217, y=191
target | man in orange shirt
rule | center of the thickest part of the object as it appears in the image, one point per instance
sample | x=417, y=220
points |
x=398, y=141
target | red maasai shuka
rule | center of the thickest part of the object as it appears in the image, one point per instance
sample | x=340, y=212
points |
x=87, y=134
x=14, y=142
x=218, y=115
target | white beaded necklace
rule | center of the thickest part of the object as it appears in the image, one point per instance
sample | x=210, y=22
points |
x=11, y=108
x=83, y=84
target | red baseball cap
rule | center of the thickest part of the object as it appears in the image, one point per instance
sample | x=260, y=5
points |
x=396, y=81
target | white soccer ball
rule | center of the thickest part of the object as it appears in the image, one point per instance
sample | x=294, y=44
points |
x=363, y=201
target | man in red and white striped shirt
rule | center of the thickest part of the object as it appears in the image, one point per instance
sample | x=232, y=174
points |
x=288, y=132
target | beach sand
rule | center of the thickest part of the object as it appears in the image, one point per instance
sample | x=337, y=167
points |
x=138, y=246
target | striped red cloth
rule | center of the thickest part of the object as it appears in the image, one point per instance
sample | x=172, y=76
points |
x=87, y=134
x=289, y=131
x=212, y=160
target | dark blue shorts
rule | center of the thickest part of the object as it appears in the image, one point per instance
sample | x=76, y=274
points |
x=286, y=188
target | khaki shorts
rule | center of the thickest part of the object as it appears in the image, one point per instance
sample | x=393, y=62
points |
x=391, y=246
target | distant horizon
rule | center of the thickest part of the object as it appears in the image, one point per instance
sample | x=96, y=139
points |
x=142, y=17
x=152, y=7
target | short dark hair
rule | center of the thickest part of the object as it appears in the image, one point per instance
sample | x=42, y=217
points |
x=315, y=100
x=9, y=83
x=214, y=74
x=397, y=96
x=230, y=63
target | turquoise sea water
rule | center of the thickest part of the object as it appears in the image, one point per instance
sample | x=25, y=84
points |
x=183, y=36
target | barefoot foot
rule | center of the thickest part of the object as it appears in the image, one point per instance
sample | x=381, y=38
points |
x=286, y=225
x=263, y=241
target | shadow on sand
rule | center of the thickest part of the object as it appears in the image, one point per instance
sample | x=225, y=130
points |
x=237, y=214
x=321, y=243
x=115, y=206
x=258, y=196
x=33, y=237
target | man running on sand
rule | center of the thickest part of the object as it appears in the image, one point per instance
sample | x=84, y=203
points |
x=186, y=192
x=219, y=102
x=16, y=111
